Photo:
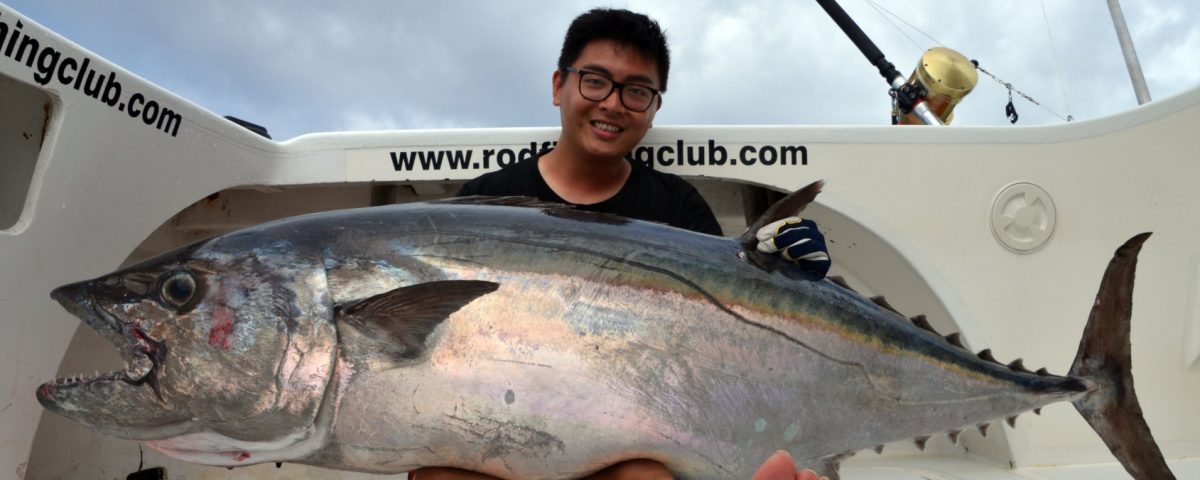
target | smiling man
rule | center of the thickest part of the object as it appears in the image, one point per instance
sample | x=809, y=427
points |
x=609, y=84
x=611, y=75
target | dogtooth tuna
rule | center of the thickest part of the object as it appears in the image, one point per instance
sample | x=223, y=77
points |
x=530, y=340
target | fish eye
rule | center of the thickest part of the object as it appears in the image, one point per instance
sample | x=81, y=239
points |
x=178, y=289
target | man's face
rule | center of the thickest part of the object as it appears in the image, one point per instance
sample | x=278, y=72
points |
x=604, y=129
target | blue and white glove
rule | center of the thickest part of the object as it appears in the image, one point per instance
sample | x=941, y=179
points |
x=797, y=241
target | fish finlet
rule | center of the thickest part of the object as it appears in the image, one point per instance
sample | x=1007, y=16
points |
x=923, y=323
x=1018, y=365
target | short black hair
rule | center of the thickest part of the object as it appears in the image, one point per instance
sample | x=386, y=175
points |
x=623, y=27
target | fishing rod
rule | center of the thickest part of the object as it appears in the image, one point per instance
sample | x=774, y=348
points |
x=942, y=77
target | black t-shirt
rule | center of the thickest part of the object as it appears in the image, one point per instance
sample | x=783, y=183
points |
x=647, y=195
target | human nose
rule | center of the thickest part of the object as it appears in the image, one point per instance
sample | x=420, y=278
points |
x=613, y=100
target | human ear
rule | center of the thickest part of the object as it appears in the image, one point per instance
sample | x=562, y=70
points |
x=554, y=84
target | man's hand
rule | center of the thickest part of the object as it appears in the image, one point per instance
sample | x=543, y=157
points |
x=798, y=241
x=779, y=466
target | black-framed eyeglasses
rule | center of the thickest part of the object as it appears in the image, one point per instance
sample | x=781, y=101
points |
x=597, y=87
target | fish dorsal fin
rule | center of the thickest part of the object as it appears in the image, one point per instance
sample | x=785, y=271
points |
x=785, y=207
x=396, y=323
x=509, y=201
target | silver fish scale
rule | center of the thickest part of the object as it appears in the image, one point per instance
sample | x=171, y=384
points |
x=609, y=341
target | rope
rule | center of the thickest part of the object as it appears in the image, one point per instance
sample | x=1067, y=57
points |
x=1062, y=84
x=1012, y=90
x=881, y=10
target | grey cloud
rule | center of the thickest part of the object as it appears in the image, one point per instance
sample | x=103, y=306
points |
x=305, y=66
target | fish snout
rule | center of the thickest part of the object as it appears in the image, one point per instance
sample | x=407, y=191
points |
x=74, y=297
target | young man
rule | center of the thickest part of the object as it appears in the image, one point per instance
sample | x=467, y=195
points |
x=608, y=86
x=611, y=74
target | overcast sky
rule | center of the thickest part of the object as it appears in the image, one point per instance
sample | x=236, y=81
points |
x=301, y=67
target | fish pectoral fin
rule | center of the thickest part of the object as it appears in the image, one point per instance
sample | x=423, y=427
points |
x=829, y=466
x=788, y=206
x=397, y=323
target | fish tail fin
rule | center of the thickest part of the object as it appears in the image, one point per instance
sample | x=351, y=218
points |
x=1110, y=405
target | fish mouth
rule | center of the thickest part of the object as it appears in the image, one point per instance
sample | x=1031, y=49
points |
x=143, y=355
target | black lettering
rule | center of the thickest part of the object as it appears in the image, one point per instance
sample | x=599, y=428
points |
x=27, y=42
x=459, y=160
x=746, y=158
x=528, y=153
x=790, y=152
x=62, y=70
x=83, y=69
x=698, y=159
x=150, y=113
x=401, y=161
x=662, y=151
x=45, y=71
x=546, y=146
x=512, y=157
x=89, y=89
x=112, y=93
x=3, y=33
x=12, y=41
x=168, y=121
x=713, y=149
x=134, y=101
x=643, y=154
x=429, y=160
x=767, y=155
x=487, y=157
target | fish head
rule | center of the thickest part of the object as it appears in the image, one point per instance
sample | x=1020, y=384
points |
x=225, y=339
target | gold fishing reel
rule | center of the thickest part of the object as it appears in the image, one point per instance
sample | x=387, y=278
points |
x=945, y=76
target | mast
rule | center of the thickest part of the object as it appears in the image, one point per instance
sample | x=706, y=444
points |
x=1131, y=59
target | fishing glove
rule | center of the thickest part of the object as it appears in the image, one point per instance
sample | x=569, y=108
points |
x=798, y=241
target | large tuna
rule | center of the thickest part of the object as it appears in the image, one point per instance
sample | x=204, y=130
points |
x=545, y=342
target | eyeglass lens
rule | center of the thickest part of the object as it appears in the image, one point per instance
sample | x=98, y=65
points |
x=596, y=87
